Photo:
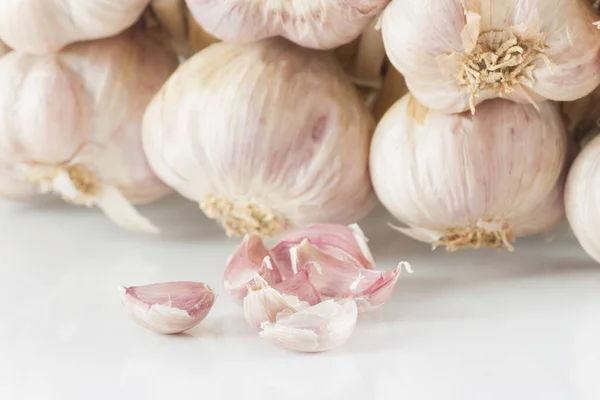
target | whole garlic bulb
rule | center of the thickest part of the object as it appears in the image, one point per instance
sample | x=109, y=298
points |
x=461, y=52
x=319, y=24
x=70, y=123
x=264, y=136
x=582, y=198
x=471, y=181
x=41, y=26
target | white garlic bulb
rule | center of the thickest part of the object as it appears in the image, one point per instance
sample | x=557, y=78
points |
x=471, y=181
x=264, y=136
x=461, y=52
x=582, y=198
x=41, y=26
x=319, y=24
x=70, y=123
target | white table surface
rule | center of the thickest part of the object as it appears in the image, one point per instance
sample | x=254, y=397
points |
x=472, y=325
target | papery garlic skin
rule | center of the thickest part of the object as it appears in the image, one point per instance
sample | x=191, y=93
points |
x=71, y=122
x=582, y=198
x=322, y=327
x=168, y=308
x=44, y=26
x=559, y=49
x=265, y=136
x=319, y=24
x=471, y=181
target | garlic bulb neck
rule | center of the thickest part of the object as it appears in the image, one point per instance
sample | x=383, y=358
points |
x=485, y=234
x=240, y=218
x=500, y=61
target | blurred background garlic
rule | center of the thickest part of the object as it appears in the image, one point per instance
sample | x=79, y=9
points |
x=461, y=52
x=41, y=26
x=471, y=181
x=264, y=136
x=319, y=24
x=71, y=123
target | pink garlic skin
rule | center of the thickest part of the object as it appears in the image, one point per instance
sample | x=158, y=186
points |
x=88, y=98
x=168, y=308
x=415, y=35
x=300, y=285
x=247, y=261
x=318, y=24
x=44, y=26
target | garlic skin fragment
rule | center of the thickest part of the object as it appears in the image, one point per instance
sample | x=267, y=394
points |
x=318, y=24
x=462, y=52
x=265, y=136
x=582, y=198
x=71, y=123
x=251, y=258
x=471, y=181
x=168, y=308
x=45, y=26
x=322, y=327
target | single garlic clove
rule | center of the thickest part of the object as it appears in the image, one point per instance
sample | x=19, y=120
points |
x=300, y=285
x=250, y=258
x=321, y=327
x=168, y=308
x=263, y=303
x=338, y=279
x=347, y=243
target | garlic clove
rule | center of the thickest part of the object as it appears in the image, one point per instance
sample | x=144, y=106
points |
x=168, y=308
x=249, y=259
x=339, y=279
x=321, y=327
x=263, y=303
x=300, y=285
x=344, y=242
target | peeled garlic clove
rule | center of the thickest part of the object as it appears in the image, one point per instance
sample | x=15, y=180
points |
x=462, y=52
x=71, y=122
x=321, y=327
x=265, y=136
x=482, y=180
x=582, y=198
x=347, y=243
x=34, y=26
x=263, y=303
x=300, y=285
x=319, y=24
x=249, y=259
x=168, y=308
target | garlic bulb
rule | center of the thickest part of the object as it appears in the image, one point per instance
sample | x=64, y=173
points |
x=168, y=308
x=265, y=137
x=294, y=324
x=71, y=123
x=461, y=52
x=319, y=24
x=312, y=264
x=471, y=181
x=581, y=201
x=42, y=26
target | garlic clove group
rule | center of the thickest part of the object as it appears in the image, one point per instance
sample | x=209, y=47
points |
x=249, y=259
x=319, y=24
x=45, y=26
x=168, y=308
x=321, y=327
x=265, y=137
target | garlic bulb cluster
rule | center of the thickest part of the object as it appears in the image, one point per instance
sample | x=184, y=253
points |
x=461, y=52
x=265, y=137
x=319, y=24
x=71, y=123
x=42, y=26
x=305, y=293
x=168, y=308
x=465, y=180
